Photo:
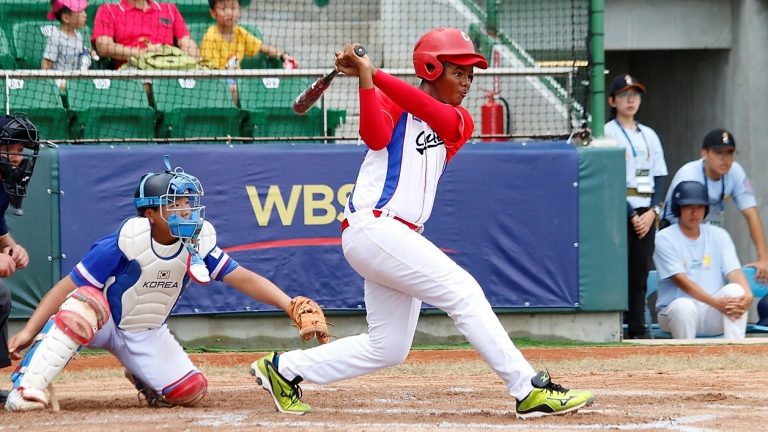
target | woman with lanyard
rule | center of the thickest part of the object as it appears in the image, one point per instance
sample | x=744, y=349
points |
x=646, y=169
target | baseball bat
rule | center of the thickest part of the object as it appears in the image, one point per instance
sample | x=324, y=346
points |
x=311, y=94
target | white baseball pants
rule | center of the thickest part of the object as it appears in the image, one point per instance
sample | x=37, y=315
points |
x=153, y=356
x=687, y=318
x=401, y=269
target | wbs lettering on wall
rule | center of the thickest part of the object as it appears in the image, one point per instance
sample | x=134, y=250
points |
x=505, y=212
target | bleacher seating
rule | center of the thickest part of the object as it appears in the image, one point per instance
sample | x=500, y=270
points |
x=17, y=11
x=193, y=11
x=195, y=108
x=6, y=54
x=114, y=108
x=30, y=38
x=41, y=100
x=267, y=103
x=120, y=110
x=260, y=61
x=197, y=31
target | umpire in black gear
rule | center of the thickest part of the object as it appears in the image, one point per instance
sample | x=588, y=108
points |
x=19, y=147
x=5, y=312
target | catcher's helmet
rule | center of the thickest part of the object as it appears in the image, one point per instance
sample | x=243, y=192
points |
x=156, y=189
x=16, y=169
x=444, y=44
x=690, y=193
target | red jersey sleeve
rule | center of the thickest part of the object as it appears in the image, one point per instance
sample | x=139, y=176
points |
x=103, y=23
x=454, y=124
x=377, y=118
x=179, y=26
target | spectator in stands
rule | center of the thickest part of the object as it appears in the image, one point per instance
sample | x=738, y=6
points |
x=225, y=44
x=645, y=172
x=65, y=49
x=725, y=180
x=16, y=134
x=131, y=28
x=702, y=290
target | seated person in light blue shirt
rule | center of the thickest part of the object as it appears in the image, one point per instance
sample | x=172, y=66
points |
x=725, y=180
x=702, y=290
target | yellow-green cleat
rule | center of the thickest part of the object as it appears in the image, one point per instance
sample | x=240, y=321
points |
x=548, y=398
x=286, y=394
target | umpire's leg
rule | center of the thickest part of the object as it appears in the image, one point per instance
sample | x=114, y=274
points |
x=5, y=312
x=640, y=255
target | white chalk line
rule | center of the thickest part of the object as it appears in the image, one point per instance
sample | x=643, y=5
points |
x=682, y=424
x=244, y=419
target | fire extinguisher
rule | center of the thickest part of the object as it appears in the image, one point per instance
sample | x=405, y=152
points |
x=492, y=115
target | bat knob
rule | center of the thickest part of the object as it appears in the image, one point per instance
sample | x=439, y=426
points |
x=360, y=50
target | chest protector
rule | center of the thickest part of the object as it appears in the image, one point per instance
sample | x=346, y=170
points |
x=144, y=294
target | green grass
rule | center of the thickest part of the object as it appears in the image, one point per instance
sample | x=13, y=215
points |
x=520, y=343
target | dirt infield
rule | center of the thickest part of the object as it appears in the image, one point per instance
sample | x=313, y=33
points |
x=680, y=388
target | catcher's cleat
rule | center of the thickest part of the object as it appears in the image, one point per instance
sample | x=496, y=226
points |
x=548, y=398
x=146, y=393
x=16, y=402
x=286, y=394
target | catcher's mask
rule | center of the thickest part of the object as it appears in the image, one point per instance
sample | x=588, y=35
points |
x=17, y=164
x=168, y=189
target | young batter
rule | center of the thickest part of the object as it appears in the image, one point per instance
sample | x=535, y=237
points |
x=136, y=275
x=411, y=134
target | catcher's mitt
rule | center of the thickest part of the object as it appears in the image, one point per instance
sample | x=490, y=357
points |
x=309, y=319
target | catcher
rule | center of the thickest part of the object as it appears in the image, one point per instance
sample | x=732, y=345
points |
x=119, y=296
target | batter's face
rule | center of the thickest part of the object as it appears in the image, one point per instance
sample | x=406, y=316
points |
x=718, y=161
x=691, y=216
x=453, y=85
x=627, y=102
x=226, y=13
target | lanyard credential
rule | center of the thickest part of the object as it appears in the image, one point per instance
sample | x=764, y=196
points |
x=721, y=202
x=642, y=135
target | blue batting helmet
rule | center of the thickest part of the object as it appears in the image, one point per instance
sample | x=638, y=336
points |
x=690, y=193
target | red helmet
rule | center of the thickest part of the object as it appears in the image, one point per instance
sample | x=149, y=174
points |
x=444, y=44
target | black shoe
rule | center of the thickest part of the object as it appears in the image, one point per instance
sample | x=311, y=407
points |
x=3, y=396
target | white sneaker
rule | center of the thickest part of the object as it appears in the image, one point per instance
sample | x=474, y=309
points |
x=16, y=402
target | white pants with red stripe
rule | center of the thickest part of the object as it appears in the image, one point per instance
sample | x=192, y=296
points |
x=401, y=269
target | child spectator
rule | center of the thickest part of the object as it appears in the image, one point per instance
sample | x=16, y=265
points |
x=225, y=44
x=65, y=50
